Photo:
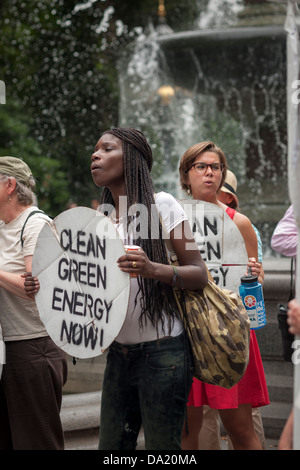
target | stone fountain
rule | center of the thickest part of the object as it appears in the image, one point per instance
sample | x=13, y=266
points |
x=223, y=81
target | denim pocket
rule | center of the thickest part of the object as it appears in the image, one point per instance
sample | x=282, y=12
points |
x=161, y=360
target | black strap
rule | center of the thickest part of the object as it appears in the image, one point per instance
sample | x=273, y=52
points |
x=228, y=186
x=292, y=283
x=31, y=213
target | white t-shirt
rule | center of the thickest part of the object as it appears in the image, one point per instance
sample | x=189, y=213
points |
x=172, y=215
x=19, y=317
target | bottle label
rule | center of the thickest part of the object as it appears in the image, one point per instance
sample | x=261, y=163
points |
x=256, y=311
x=250, y=301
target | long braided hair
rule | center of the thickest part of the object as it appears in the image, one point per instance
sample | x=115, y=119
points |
x=157, y=297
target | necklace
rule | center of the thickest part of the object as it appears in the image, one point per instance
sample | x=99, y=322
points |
x=116, y=220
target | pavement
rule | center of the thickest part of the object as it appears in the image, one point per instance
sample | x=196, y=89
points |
x=80, y=419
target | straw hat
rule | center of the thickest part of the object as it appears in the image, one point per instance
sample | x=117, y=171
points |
x=230, y=185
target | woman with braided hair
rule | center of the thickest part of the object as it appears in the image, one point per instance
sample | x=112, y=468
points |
x=149, y=368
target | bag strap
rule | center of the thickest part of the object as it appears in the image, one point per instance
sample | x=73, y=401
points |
x=22, y=232
x=172, y=257
x=292, y=280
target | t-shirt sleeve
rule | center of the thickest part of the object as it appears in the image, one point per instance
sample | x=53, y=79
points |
x=31, y=232
x=170, y=210
x=285, y=236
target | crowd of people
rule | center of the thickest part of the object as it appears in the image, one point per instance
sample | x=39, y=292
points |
x=148, y=380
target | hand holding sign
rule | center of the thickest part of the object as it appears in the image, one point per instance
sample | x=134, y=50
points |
x=83, y=295
x=31, y=284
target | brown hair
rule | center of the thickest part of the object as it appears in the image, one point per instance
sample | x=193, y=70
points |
x=190, y=156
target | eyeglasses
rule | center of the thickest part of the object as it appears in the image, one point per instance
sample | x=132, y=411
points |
x=201, y=167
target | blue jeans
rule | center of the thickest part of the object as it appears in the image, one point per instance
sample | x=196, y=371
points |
x=145, y=384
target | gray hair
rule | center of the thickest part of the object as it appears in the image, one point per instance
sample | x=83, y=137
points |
x=25, y=193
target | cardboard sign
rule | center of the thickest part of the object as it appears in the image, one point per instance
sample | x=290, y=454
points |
x=83, y=295
x=220, y=242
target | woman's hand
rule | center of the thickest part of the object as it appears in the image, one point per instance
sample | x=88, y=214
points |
x=256, y=269
x=31, y=284
x=137, y=262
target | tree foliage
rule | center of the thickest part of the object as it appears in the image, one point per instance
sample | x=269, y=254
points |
x=58, y=61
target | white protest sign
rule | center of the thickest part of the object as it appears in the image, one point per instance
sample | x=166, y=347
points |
x=83, y=295
x=220, y=242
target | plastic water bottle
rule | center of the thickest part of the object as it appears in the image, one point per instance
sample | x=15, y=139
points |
x=252, y=295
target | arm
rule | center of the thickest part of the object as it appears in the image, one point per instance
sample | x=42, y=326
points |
x=30, y=284
x=286, y=438
x=14, y=283
x=246, y=228
x=191, y=267
x=285, y=236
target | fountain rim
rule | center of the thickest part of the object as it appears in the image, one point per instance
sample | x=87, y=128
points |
x=185, y=38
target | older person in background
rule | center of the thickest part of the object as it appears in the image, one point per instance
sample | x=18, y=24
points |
x=35, y=368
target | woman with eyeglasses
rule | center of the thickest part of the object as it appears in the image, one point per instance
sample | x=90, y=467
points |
x=202, y=171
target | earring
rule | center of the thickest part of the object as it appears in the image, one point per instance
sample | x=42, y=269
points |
x=9, y=199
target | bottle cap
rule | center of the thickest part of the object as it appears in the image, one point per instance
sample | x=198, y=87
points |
x=249, y=278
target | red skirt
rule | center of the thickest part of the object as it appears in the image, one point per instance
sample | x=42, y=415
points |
x=252, y=388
